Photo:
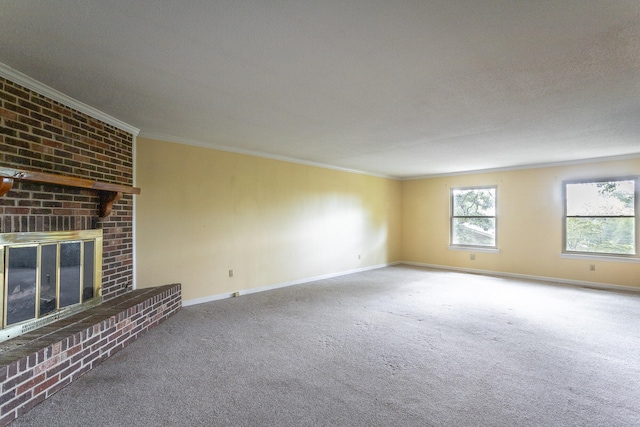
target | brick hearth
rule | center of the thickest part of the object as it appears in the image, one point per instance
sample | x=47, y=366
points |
x=37, y=364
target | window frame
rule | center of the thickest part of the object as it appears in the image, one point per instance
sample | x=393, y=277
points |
x=453, y=217
x=636, y=208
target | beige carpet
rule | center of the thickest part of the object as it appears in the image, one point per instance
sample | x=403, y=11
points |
x=399, y=346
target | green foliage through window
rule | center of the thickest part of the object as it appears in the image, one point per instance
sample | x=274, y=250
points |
x=473, y=219
x=600, y=217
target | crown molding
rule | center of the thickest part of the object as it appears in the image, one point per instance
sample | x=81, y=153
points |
x=531, y=166
x=36, y=86
x=202, y=144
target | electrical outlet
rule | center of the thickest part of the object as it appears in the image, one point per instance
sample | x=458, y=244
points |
x=358, y=256
x=235, y=294
x=230, y=273
x=472, y=257
x=592, y=267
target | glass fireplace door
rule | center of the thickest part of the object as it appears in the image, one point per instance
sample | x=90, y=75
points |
x=47, y=276
x=21, y=283
x=70, y=273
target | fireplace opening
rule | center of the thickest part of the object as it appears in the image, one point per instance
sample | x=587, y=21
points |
x=47, y=276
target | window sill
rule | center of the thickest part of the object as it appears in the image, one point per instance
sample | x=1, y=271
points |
x=611, y=258
x=474, y=249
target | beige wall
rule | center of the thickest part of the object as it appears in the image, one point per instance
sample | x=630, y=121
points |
x=529, y=224
x=203, y=212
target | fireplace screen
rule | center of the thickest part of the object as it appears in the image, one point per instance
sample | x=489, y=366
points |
x=48, y=275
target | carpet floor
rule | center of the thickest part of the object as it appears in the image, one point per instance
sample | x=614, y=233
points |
x=397, y=346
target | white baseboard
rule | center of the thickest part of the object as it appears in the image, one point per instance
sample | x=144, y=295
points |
x=217, y=297
x=594, y=285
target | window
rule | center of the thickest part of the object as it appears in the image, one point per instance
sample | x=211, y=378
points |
x=600, y=216
x=473, y=216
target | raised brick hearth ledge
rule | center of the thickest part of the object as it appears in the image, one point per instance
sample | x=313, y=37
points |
x=35, y=365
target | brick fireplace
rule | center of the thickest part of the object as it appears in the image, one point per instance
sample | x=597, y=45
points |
x=41, y=133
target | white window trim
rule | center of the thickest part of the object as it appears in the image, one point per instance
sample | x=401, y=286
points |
x=486, y=249
x=598, y=256
x=633, y=259
x=478, y=248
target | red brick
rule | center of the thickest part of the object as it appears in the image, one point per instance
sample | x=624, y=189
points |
x=8, y=114
x=30, y=384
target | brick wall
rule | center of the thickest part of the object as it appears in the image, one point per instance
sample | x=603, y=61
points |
x=40, y=134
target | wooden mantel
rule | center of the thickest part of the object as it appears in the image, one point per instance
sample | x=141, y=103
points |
x=109, y=193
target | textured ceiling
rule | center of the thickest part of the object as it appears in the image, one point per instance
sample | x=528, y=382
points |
x=397, y=88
